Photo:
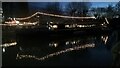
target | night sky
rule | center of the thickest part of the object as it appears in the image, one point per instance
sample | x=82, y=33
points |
x=37, y=5
x=20, y=9
x=93, y=4
x=102, y=4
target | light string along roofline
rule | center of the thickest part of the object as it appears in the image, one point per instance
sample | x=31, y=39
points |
x=53, y=15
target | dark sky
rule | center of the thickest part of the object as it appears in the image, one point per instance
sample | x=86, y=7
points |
x=23, y=9
x=102, y=4
x=94, y=4
x=37, y=5
x=15, y=9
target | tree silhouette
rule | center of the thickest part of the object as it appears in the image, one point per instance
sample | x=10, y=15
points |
x=110, y=11
x=78, y=8
x=118, y=8
x=53, y=7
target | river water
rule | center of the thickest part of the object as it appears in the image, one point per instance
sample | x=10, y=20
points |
x=81, y=51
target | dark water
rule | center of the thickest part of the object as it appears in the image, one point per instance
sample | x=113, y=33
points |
x=82, y=51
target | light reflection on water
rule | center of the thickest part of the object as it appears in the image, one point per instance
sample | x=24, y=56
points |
x=104, y=39
x=43, y=49
x=57, y=53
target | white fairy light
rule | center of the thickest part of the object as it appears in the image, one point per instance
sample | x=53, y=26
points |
x=54, y=15
x=8, y=44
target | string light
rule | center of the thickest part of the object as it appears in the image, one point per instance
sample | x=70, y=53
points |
x=20, y=24
x=53, y=15
x=8, y=44
x=106, y=20
x=56, y=53
x=104, y=38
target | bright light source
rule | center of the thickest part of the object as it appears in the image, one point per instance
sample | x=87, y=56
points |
x=67, y=43
x=49, y=28
x=55, y=26
x=55, y=44
x=3, y=49
x=13, y=18
x=51, y=22
x=67, y=26
x=102, y=24
x=17, y=22
x=74, y=42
